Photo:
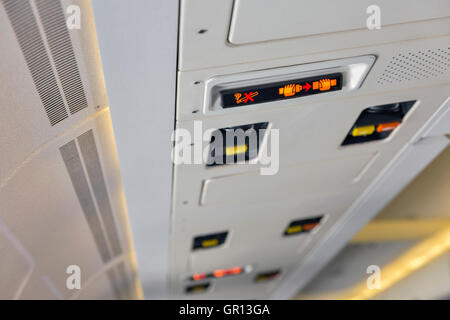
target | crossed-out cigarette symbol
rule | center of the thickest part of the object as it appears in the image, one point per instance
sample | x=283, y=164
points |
x=248, y=96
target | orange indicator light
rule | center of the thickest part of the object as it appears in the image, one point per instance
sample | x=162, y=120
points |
x=309, y=226
x=198, y=276
x=289, y=89
x=387, y=126
x=219, y=273
x=324, y=84
x=225, y=272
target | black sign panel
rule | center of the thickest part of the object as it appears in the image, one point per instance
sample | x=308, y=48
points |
x=281, y=90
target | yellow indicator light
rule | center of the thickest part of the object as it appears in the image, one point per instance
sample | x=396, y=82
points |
x=363, y=131
x=294, y=229
x=210, y=243
x=230, y=151
x=198, y=289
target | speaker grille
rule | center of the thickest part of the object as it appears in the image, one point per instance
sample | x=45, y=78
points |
x=56, y=32
x=416, y=65
x=26, y=29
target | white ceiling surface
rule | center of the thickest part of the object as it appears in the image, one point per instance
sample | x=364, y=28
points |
x=138, y=45
x=256, y=209
x=43, y=228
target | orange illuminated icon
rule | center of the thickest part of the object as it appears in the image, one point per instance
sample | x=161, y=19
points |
x=324, y=84
x=387, y=126
x=315, y=85
x=289, y=89
x=248, y=96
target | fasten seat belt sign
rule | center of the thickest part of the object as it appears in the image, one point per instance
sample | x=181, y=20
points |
x=283, y=90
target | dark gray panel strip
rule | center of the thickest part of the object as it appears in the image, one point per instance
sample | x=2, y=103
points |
x=27, y=32
x=89, y=152
x=55, y=28
x=74, y=167
x=115, y=282
x=121, y=281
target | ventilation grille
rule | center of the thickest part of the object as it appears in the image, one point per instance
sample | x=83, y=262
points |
x=54, y=23
x=82, y=162
x=48, y=78
x=27, y=32
x=416, y=65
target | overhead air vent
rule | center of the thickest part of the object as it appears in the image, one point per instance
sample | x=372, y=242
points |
x=27, y=32
x=54, y=69
x=416, y=65
x=85, y=171
x=54, y=23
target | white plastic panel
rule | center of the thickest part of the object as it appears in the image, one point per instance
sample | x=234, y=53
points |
x=305, y=180
x=212, y=48
x=265, y=20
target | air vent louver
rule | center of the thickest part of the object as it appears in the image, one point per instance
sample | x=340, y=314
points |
x=416, y=65
x=57, y=34
x=48, y=78
x=27, y=32
x=83, y=164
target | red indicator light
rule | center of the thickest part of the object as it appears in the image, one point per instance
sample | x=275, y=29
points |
x=387, y=126
x=219, y=273
x=226, y=272
x=198, y=276
x=236, y=270
x=307, y=86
